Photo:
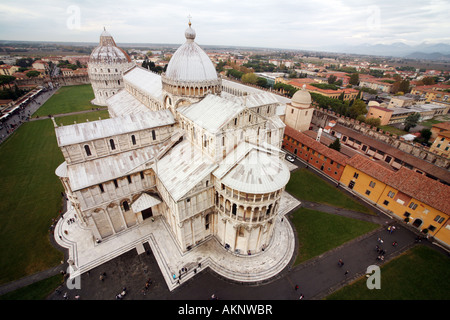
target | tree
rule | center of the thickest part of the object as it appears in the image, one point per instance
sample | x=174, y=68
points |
x=33, y=74
x=262, y=82
x=375, y=122
x=427, y=81
x=332, y=79
x=357, y=108
x=411, y=121
x=354, y=79
x=249, y=78
x=6, y=80
x=336, y=145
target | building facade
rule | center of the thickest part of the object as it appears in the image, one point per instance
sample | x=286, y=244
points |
x=182, y=147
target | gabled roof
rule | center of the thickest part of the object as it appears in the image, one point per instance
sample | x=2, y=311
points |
x=146, y=81
x=212, y=112
x=182, y=168
x=87, y=131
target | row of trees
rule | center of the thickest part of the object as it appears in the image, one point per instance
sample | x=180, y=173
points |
x=249, y=78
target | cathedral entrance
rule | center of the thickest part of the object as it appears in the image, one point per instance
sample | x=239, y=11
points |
x=147, y=213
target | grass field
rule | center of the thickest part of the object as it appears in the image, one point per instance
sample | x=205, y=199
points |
x=305, y=185
x=319, y=232
x=30, y=192
x=30, y=195
x=419, y=274
x=67, y=99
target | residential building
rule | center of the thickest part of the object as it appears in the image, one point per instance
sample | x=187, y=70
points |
x=407, y=195
x=329, y=161
x=441, y=144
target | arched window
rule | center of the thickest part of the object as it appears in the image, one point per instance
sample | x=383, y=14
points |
x=133, y=139
x=126, y=206
x=234, y=209
x=153, y=134
x=88, y=150
x=111, y=142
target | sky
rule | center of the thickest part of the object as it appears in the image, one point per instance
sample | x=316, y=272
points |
x=289, y=24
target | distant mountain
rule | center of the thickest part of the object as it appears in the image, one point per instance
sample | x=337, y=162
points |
x=398, y=49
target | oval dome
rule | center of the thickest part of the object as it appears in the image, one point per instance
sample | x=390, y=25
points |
x=190, y=62
x=108, y=51
x=301, y=97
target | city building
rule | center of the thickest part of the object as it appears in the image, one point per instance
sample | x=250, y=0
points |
x=422, y=202
x=441, y=144
x=200, y=155
x=299, y=112
x=378, y=112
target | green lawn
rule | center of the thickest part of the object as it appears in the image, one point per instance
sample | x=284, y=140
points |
x=421, y=273
x=30, y=196
x=68, y=99
x=305, y=185
x=30, y=192
x=36, y=291
x=393, y=130
x=319, y=232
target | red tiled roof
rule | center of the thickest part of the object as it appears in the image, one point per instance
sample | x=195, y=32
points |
x=415, y=185
x=315, y=145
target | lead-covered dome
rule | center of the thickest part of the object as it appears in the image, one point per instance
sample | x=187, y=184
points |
x=190, y=71
x=301, y=98
x=108, y=52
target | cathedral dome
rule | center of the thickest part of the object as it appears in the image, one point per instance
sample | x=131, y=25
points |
x=301, y=98
x=190, y=72
x=190, y=62
x=108, y=51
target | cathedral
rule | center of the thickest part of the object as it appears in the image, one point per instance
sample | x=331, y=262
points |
x=199, y=152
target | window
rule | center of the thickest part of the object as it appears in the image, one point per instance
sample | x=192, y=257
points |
x=154, y=134
x=115, y=183
x=133, y=139
x=439, y=219
x=368, y=192
x=372, y=184
x=142, y=175
x=386, y=203
x=234, y=209
x=207, y=222
x=126, y=206
x=129, y=179
x=101, y=188
x=112, y=144
x=391, y=194
x=412, y=205
x=88, y=150
x=355, y=175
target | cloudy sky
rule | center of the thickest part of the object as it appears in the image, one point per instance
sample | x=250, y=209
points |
x=291, y=24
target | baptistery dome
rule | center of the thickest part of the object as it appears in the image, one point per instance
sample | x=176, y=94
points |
x=108, y=52
x=190, y=71
x=106, y=66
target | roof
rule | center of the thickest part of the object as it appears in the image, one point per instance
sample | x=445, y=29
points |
x=422, y=165
x=144, y=201
x=146, y=81
x=182, y=168
x=253, y=169
x=78, y=133
x=316, y=145
x=99, y=170
x=190, y=62
x=442, y=125
x=108, y=52
x=415, y=185
x=123, y=103
x=212, y=112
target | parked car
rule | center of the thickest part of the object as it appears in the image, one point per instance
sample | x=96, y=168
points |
x=289, y=158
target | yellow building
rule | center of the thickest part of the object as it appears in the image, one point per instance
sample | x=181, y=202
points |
x=441, y=144
x=422, y=202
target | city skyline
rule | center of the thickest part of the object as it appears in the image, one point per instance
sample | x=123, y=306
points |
x=284, y=24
